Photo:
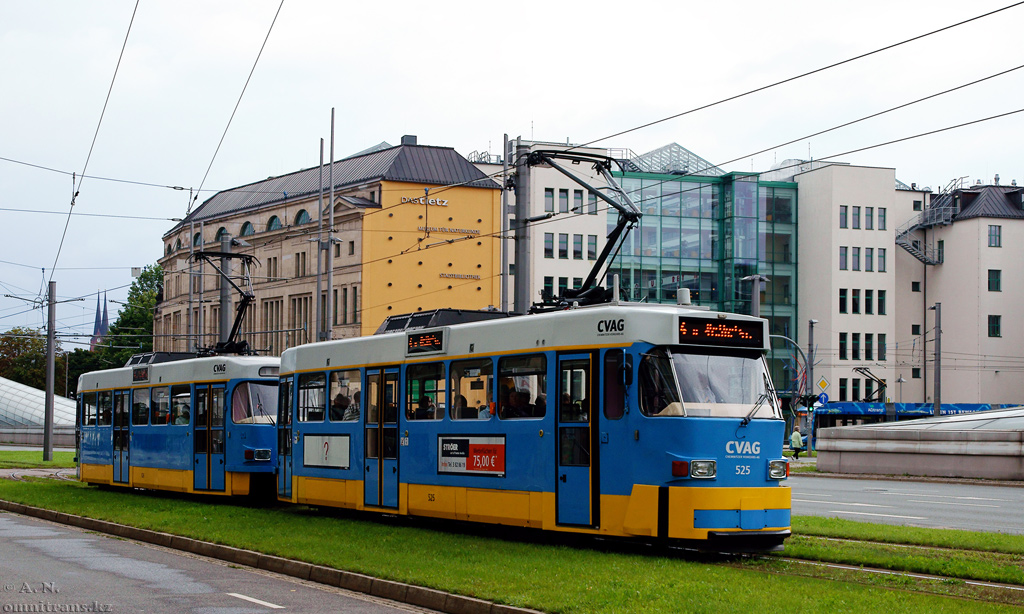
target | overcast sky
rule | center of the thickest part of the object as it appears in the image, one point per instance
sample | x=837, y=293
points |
x=456, y=74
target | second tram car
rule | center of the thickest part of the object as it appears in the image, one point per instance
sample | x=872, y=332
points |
x=648, y=421
x=196, y=425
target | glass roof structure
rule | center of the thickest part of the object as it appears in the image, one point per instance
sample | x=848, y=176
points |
x=22, y=405
x=674, y=158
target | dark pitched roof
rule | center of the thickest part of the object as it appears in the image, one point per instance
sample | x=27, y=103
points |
x=405, y=163
x=989, y=201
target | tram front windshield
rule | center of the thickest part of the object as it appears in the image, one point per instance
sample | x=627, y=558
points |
x=254, y=403
x=723, y=384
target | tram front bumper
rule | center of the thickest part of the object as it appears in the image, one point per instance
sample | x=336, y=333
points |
x=699, y=512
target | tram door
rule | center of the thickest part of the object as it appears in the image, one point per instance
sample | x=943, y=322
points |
x=208, y=470
x=381, y=431
x=122, y=436
x=284, y=440
x=577, y=415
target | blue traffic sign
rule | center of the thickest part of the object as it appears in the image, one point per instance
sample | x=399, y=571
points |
x=823, y=398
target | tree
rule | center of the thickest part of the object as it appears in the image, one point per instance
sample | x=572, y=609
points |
x=23, y=358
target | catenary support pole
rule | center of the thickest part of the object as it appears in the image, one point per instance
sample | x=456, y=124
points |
x=320, y=252
x=225, y=290
x=51, y=323
x=522, y=236
x=330, y=244
x=937, y=408
x=504, y=226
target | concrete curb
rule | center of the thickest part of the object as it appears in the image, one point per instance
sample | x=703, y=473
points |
x=387, y=589
x=910, y=478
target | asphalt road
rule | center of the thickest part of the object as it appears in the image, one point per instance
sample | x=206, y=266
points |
x=970, y=507
x=52, y=567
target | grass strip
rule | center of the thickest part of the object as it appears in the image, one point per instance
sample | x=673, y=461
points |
x=550, y=577
x=28, y=459
x=820, y=526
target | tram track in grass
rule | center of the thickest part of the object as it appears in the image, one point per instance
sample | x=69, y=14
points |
x=520, y=567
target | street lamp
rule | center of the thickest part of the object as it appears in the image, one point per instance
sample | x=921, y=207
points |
x=755, y=293
x=900, y=381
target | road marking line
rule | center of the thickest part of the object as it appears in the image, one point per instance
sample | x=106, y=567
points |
x=860, y=504
x=870, y=514
x=914, y=494
x=257, y=601
x=810, y=501
x=954, y=503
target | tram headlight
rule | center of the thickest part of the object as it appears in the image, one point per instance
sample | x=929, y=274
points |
x=261, y=454
x=703, y=469
x=778, y=469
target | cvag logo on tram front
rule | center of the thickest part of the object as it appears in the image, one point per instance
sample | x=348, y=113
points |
x=742, y=449
x=611, y=327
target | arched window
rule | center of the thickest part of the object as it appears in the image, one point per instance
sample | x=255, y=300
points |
x=177, y=244
x=197, y=239
x=247, y=229
x=302, y=217
x=169, y=248
x=221, y=233
x=274, y=223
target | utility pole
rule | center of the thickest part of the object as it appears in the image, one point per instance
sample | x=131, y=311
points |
x=320, y=252
x=330, y=244
x=225, y=289
x=937, y=407
x=810, y=367
x=522, y=238
x=51, y=322
x=755, y=292
x=504, y=226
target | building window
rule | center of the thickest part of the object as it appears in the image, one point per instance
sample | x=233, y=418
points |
x=221, y=234
x=355, y=304
x=563, y=285
x=869, y=299
x=577, y=283
x=869, y=387
x=855, y=260
x=842, y=389
x=855, y=346
x=842, y=346
x=942, y=251
x=344, y=305
x=563, y=201
x=591, y=247
x=274, y=223
x=915, y=286
x=881, y=260
x=549, y=287
x=995, y=280
x=855, y=303
x=881, y=302
x=842, y=300
x=915, y=329
x=881, y=218
x=842, y=216
x=842, y=258
x=869, y=352
x=995, y=236
x=869, y=259
x=591, y=203
x=917, y=205
x=881, y=347
x=549, y=245
x=300, y=264
x=915, y=373
x=351, y=248
x=577, y=202
x=248, y=229
x=856, y=390
x=856, y=217
x=577, y=247
x=869, y=218
x=563, y=245
x=995, y=326
x=549, y=199
x=197, y=240
x=302, y=217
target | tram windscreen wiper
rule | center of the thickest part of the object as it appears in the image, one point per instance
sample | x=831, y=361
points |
x=758, y=403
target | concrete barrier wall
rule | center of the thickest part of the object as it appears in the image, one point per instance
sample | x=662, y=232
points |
x=986, y=454
x=63, y=436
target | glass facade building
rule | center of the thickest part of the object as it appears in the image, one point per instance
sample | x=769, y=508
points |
x=706, y=234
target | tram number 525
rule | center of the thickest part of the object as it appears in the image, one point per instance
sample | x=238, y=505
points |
x=742, y=469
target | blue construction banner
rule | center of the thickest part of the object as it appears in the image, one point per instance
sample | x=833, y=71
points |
x=905, y=409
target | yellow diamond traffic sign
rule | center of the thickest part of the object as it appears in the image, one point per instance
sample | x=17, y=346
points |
x=822, y=383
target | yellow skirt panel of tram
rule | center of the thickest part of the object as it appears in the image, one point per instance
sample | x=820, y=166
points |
x=96, y=474
x=686, y=505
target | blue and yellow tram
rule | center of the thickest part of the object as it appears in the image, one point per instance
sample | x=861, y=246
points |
x=203, y=425
x=650, y=421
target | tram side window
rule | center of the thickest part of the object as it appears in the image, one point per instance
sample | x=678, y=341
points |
x=346, y=395
x=161, y=408
x=140, y=407
x=471, y=389
x=254, y=403
x=425, y=391
x=658, y=394
x=312, y=397
x=614, y=386
x=181, y=404
x=89, y=408
x=284, y=398
x=522, y=387
x=106, y=406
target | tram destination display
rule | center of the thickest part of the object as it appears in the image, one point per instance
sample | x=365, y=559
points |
x=471, y=455
x=725, y=333
x=425, y=343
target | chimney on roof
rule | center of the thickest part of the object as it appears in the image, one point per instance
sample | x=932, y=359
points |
x=913, y=186
x=409, y=139
x=997, y=179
